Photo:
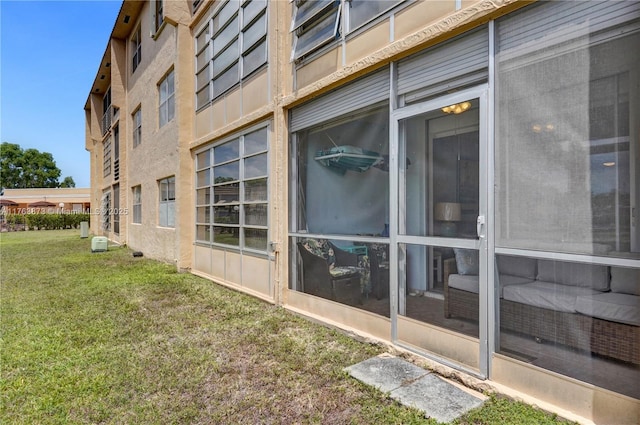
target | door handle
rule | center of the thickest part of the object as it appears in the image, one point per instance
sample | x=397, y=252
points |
x=480, y=226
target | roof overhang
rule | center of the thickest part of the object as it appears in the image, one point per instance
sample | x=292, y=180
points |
x=124, y=25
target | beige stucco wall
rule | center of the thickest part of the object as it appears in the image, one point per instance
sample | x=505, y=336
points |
x=157, y=156
x=185, y=81
x=417, y=15
x=319, y=68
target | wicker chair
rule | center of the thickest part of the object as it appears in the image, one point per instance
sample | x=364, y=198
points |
x=340, y=283
x=344, y=258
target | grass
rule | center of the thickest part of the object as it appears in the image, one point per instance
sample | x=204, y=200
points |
x=112, y=339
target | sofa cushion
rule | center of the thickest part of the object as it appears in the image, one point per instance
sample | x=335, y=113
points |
x=470, y=283
x=615, y=307
x=625, y=281
x=338, y=272
x=547, y=295
x=517, y=266
x=575, y=274
x=507, y=280
x=467, y=261
x=467, y=283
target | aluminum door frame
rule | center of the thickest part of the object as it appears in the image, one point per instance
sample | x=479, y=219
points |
x=482, y=244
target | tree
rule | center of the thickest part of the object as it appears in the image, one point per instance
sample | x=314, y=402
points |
x=68, y=182
x=27, y=168
x=10, y=165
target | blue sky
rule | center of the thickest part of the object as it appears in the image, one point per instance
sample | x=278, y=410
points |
x=49, y=55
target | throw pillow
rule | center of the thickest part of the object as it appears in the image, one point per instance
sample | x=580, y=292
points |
x=467, y=261
x=625, y=281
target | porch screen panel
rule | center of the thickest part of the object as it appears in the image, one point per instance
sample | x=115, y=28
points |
x=371, y=89
x=457, y=63
x=564, y=149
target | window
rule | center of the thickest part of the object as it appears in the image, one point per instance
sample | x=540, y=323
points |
x=566, y=184
x=203, y=66
x=232, y=192
x=167, y=108
x=363, y=11
x=158, y=14
x=136, y=48
x=203, y=196
x=106, y=157
x=195, y=4
x=231, y=46
x=137, y=127
x=106, y=111
x=317, y=23
x=253, y=36
x=137, y=204
x=105, y=212
x=116, y=152
x=116, y=209
x=167, y=207
x=355, y=183
x=564, y=144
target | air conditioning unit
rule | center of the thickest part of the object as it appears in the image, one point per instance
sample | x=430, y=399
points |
x=99, y=244
x=84, y=229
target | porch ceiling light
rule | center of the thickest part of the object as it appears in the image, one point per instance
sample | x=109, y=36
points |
x=539, y=128
x=457, y=108
x=609, y=164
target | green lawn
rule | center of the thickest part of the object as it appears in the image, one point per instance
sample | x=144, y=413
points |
x=109, y=338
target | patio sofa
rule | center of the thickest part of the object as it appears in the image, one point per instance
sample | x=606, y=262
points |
x=587, y=307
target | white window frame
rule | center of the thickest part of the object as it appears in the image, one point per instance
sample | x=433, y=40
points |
x=320, y=19
x=136, y=48
x=204, y=52
x=166, y=95
x=158, y=15
x=137, y=126
x=167, y=202
x=136, y=204
x=242, y=202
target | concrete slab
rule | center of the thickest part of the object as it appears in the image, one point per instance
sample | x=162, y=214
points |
x=416, y=387
x=438, y=398
x=386, y=373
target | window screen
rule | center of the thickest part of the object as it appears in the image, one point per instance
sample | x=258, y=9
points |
x=565, y=168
